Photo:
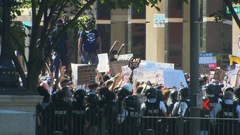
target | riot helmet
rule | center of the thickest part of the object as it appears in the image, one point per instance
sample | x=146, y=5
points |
x=237, y=92
x=79, y=94
x=151, y=92
x=60, y=95
x=183, y=93
x=124, y=91
x=213, y=89
x=108, y=96
x=173, y=94
x=91, y=99
x=130, y=101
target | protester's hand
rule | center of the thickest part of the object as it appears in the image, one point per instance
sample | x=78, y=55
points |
x=181, y=84
x=115, y=43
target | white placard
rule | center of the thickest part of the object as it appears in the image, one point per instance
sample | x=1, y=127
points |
x=125, y=56
x=103, y=62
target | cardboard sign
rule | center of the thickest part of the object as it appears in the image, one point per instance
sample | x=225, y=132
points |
x=204, y=69
x=83, y=73
x=219, y=75
x=233, y=77
x=116, y=66
x=125, y=57
x=103, y=62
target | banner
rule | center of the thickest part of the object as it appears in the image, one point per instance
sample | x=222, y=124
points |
x=83, y=73
x=116, y=66
x=103, y=62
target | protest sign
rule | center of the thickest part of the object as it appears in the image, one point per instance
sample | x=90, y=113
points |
x=233, y=77
x=83, y=73
x=150, y=71
x=204, y=69
x=219, y=75
x=125, y=57
x=103, y=62
x=173, y=78
x=116, y=66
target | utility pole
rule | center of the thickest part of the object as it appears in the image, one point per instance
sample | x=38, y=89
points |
x=195, y=102
x=9, y=80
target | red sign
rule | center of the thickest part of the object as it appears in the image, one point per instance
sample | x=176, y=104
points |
x=212, y=66
x=205, y=104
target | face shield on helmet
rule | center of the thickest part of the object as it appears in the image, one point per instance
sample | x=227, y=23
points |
x=213, y=89
x=130, y=102
x=174, y=94
x=91, y=99
x=151, y=92
x=79, y=95
x=183, y=93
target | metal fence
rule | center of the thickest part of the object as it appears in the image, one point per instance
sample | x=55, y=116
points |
x=77, y=123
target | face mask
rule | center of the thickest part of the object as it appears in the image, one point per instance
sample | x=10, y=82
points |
x=115, y=56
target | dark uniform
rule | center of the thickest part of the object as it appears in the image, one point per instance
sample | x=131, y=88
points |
x=78, y=112
x=130, y=125
x=92, y=119
x=227, y=125
x=108, y=111
x=151, y=110
x=59, y=115
x=181, y=110
x=210, y=108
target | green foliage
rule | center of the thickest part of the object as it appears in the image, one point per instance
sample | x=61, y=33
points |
x=45, y=14
x=218, y=15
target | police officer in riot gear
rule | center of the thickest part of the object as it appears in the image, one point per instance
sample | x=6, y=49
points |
x=173, y=99
x=211, y=107
x=78, y=112
x=92, y=118
x=229, y=112
x=153, y=108
x=59, y=115
x=181, y=109
x=108, y=110
x=130, y=125
x=237, y=95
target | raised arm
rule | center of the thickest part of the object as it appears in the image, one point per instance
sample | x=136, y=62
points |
x=120, y=49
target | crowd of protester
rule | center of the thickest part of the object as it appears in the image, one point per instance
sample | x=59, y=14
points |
x=104, y=108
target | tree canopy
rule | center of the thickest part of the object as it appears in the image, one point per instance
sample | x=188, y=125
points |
x=45, y=13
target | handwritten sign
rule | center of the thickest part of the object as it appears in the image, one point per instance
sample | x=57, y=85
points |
x=84, y=73
x=234, y=76
x=103, y=62
x=116, y=66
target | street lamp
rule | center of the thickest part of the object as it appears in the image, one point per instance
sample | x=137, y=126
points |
x=9, y=80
